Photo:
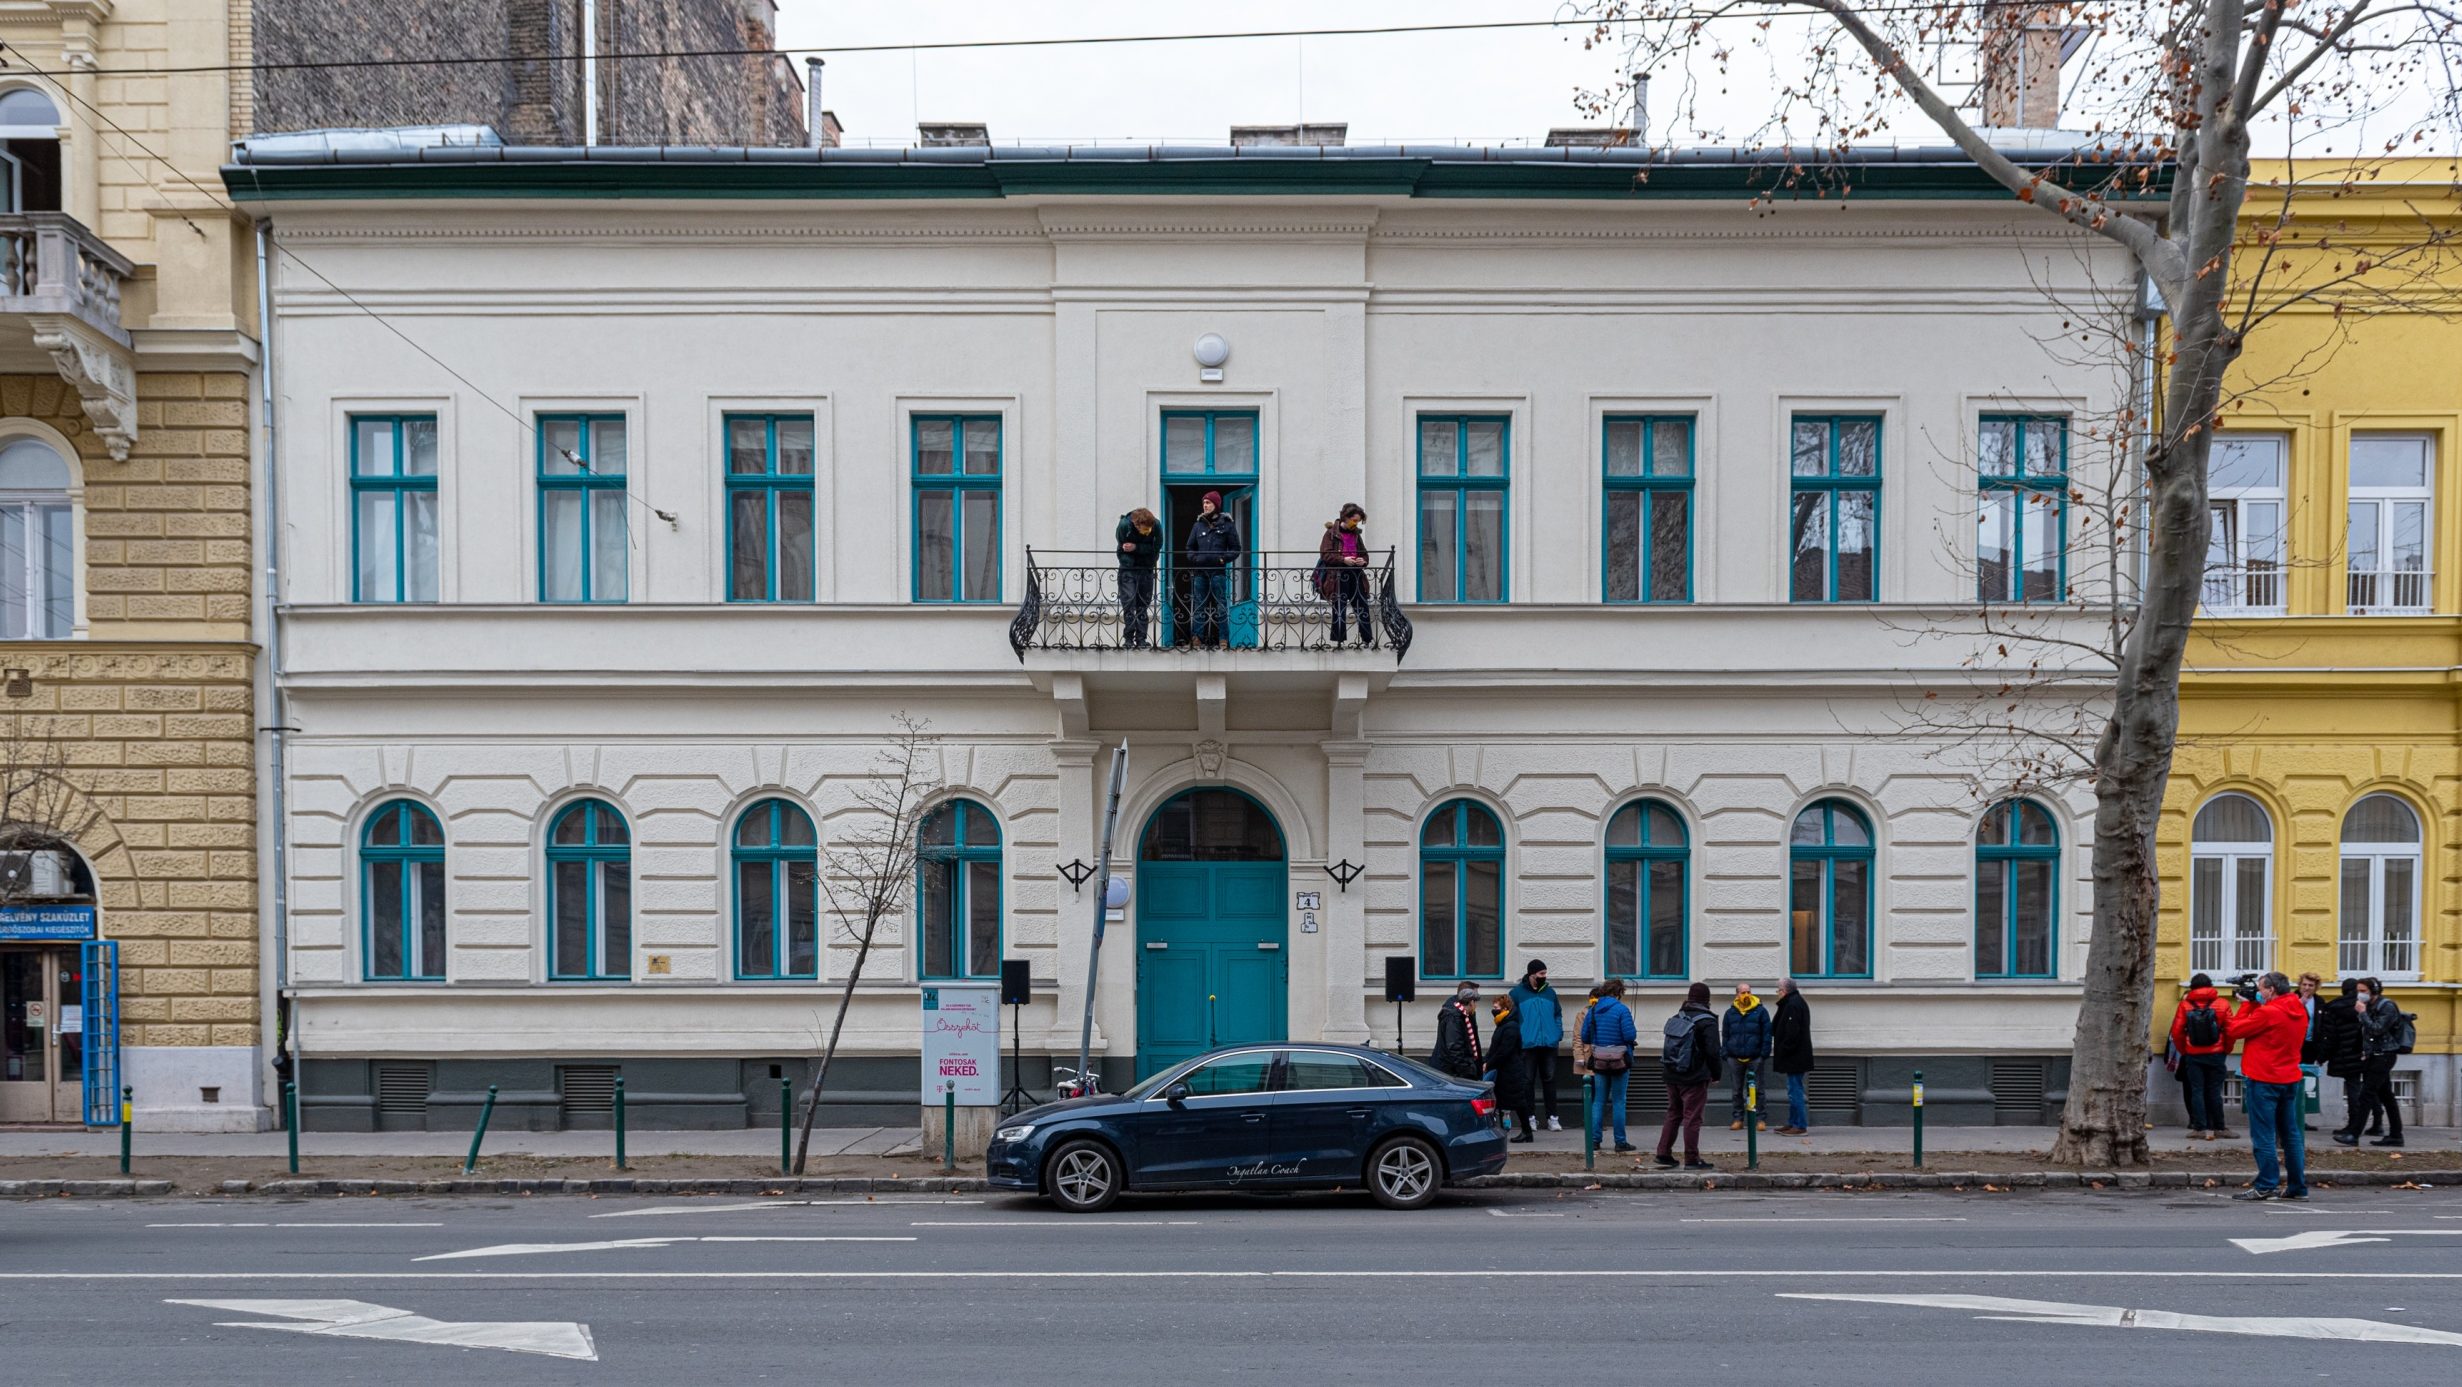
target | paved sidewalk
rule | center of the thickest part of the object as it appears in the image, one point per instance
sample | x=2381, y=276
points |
x=1643, y=1132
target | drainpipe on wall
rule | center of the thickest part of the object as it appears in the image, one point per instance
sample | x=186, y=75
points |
x=286, y=1035
x=589, y=72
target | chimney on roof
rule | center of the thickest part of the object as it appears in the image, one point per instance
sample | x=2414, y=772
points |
x=2024, y=45
x=1591, y=137
x=832, y=133
x=1325, y=136
x=943, y=134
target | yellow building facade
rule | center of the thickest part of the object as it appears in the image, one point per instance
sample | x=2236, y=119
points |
x=2314, y=821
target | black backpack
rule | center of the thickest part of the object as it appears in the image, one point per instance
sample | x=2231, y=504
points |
x=1680, y=1051
x=2203, y=1028
x=2404, y=1033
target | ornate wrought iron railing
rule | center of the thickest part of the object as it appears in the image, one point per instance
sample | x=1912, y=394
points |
x=1085, y=600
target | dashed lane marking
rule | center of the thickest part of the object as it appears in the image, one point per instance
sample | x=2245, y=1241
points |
x=628, y=1245
x=295, y=1225
x=1788, y=1219
x=1057, y=1221
x=2122, y=1317
x=772, y=1204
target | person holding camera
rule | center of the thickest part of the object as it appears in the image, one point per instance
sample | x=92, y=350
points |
x=2271, y=1022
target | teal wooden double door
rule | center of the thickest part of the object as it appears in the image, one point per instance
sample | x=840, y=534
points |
x=1211, y=971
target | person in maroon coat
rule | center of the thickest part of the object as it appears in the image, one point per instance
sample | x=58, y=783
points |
x=1342, y=573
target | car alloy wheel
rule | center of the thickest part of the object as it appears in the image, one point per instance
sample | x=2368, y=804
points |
x=1084, y=1178
x=1404, y=1174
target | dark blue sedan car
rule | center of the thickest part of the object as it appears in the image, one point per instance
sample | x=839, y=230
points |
x=1259, y=1117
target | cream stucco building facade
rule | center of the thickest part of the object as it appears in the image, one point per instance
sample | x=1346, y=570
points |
x=527, y=831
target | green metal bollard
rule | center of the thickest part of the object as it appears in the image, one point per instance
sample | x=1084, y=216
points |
x=1589, y=1122
x=128, y=1124
x=1752, y=1123
x=786, y=1126
x=619, y=1121
x=290, y=1120
x=1919, y=1119
x=948, y=1127
x=486, y=1111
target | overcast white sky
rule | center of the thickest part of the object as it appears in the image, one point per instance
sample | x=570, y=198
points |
x=1479, y=87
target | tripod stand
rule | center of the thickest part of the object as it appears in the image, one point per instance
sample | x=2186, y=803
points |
x=1017, y=1099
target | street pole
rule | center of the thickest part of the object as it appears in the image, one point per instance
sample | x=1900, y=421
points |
x=1102, y=909
x=128, y=1125
x=1589, y=1122
x=786, y=1125
x=619, y=1121
x=1919, y=1119
x=290, y=1119
x=1752, y=1122
x=948, y=1126
x=479, y=1133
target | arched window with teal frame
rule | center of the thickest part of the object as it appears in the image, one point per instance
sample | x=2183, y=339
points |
x=1461, y=893
x=402, y=894
x=2017, y=892
x=1647, y=893
x=1829, y=895
x=589, y=894
x=777, y=859
x=957, y=892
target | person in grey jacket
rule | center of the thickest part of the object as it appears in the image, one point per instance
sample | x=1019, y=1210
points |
x=1744, y=1039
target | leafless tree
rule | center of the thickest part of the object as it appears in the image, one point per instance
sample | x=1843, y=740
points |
x=867, y=871
x=45, y=802
x=2174, y=95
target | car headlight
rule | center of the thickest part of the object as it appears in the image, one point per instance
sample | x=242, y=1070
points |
x=1016, y=1133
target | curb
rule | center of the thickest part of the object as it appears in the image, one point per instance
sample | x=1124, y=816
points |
x=2110, y=1180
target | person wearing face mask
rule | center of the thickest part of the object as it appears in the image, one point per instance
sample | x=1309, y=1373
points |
x=2381, y=1028
x=1140, y=538
x=1342, y=573
x=2342, y=1042
x=2272, y=1023
x=1213, y=547
x=1542, y=1026
x=1457, y=1035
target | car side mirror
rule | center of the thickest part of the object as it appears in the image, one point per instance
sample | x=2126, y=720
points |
x=1176, y=1094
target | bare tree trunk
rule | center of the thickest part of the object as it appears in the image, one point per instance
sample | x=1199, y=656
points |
x=820, y=1076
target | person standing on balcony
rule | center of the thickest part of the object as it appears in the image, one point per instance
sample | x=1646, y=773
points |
x=1213, y=547
x=1342, y=573
x=1140, y=539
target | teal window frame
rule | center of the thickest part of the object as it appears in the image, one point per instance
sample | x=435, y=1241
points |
x=590, y=483
x=2026, y=491
x=957, y=483
x=1214, y=470
x=1649, y=485
x=792, y=868
x=1641, y=855
x=395, y=484
x=1827, y=856
x=2008, y=853
x=975, y=838
x=596, y=851
x=1452, y=861
x=409, y=887
x=1832, y=485
x=771, y=484
x=1460, y=482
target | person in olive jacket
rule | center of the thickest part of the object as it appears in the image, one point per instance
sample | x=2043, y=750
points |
x=1140, y=538
x=1791, y=1051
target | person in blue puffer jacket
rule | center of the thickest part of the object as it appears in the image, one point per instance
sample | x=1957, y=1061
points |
x=1609, y=1031
x=1744, y=1038
x=1542, y=1018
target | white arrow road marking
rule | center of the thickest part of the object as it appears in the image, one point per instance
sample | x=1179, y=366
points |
x=1517, y=1213
x=2338, y=1237
x=530, y=1249
x=2120, y=1317
x=768, y=1204
x=357, y=1319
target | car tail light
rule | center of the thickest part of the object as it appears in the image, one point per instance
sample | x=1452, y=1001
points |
x=1485, y=1107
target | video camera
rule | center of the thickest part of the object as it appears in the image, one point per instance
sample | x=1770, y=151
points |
x=2244, y=985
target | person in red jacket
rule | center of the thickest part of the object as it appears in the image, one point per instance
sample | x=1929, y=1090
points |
x=2271, y=1022
x=2198, y=1037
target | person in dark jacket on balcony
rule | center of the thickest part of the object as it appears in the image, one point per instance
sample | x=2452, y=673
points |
x=2342, y=1043
x=1342, y=573
x=1213, y=547
x=1140, y=538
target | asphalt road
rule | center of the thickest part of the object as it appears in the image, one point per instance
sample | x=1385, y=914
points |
x=1830, y=1288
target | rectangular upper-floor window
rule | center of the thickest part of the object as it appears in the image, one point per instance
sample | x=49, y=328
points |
x=2246, y=476
x=585, y=539
x=2022, y=481
x=1649, y=501
x=1464, y=479
x=393, y=507
x=956, y=467
x=2393, y=500
x=771, y=497
x=1833, y=527
x=38, y=546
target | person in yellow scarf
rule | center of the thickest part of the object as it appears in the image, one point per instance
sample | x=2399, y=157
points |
x=1744, y=1038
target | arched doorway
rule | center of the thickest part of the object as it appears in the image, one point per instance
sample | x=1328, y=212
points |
x=1211, y=928
x=47, y=912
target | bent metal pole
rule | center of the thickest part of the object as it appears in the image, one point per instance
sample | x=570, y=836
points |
x=1102, y=907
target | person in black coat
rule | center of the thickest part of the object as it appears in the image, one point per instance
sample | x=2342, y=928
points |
x=1140, y=538
x=1791, y=1051
x=1212, y=551
x=2342, y=1044
x=1504, y=1060
x=1457, y=1035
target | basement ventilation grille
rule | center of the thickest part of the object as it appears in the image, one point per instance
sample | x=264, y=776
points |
x=1836, y=1088
x=587, y=1087
x=1646, y=1095
x=402, y=1088
x=2017, y=1092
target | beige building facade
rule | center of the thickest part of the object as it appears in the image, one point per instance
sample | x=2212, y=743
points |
x=130, y=941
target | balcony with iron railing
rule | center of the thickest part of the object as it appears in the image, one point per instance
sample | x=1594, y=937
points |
x=1084, y=600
